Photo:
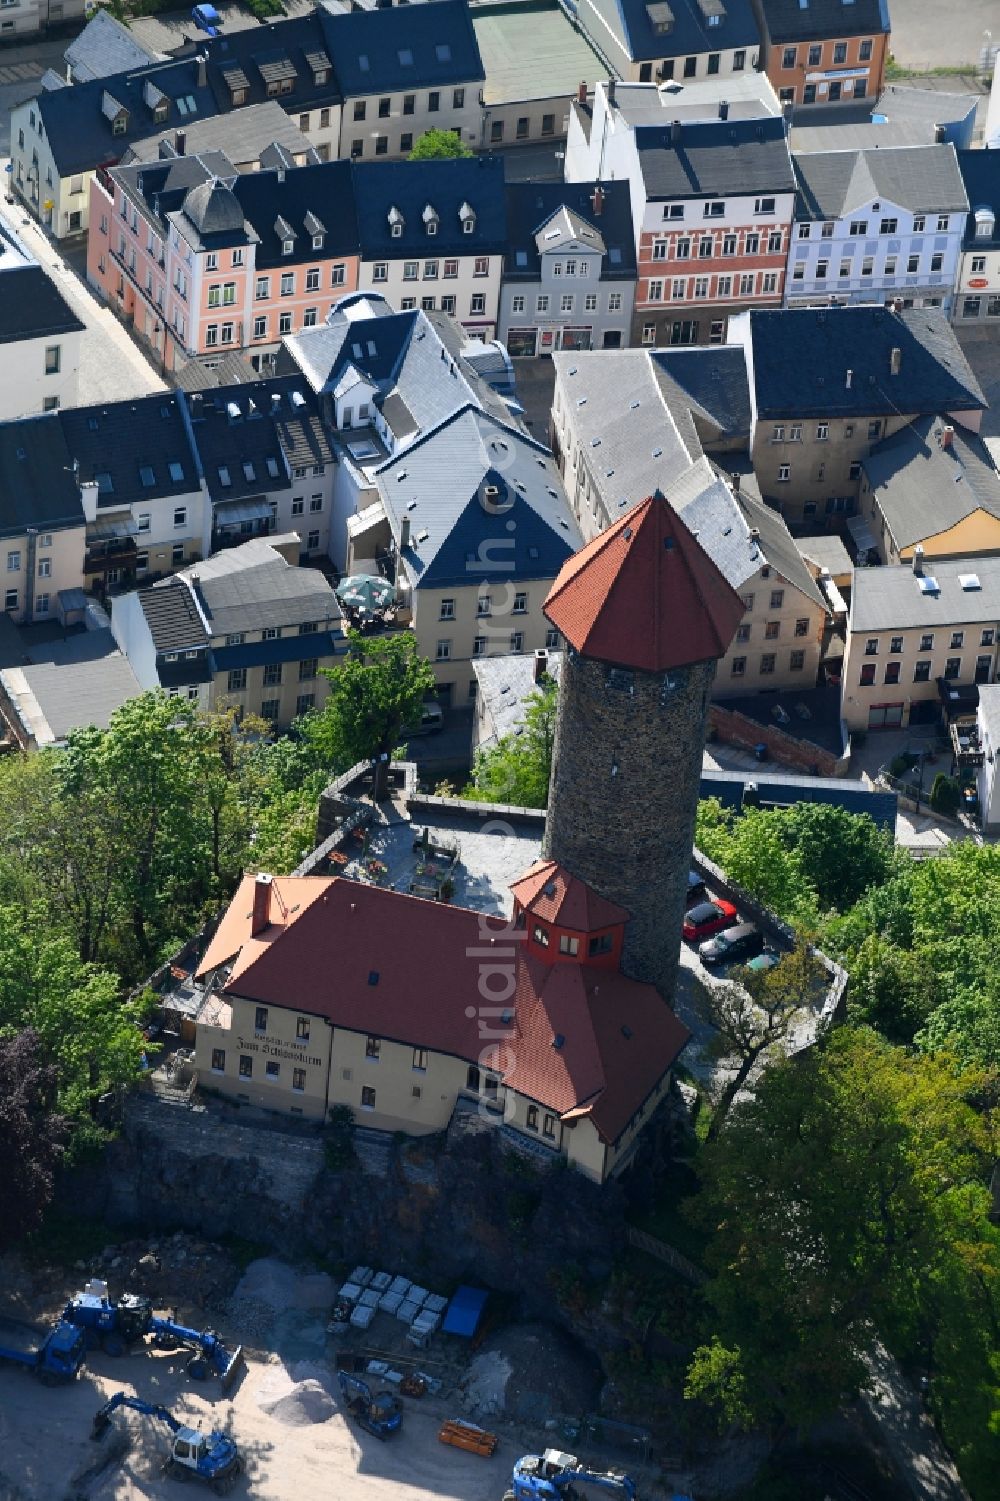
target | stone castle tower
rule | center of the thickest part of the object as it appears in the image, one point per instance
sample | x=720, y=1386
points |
x=646, y=615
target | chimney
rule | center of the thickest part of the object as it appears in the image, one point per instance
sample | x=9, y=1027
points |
x=404, y=534
x=897, y=305
x=940, y=135
x=611, y=93
x=261, y=915
x=786, y=111
x=848, y=380
x=895, y=360
x=723, y=109
x=918, y=560
x=180, y=141
x=202, y=70
x=947, y=436
x=541, y=667
x=675, y=132
x=597, y=201
x=581, y=93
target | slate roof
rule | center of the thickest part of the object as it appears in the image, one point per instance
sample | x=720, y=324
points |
x=104, y=47
x=791, y=21
x=241, y=136
x=79, y=133
x=619, y=1037
x=403, y=47
x=31, y=305
x=712, y=383
x=801, y=357
x=981, y=175
x=125, y=438
x=172, y=617
x=254, y=435
x=718, y=157
x=439, y=485
x=645, y=595
x=444, y=185
x=250, y=55
x=324, y=191
x=37, y=484
x=531, y=206
x=920, y=178
x=253, y=587
x=554, y=894
x=891, y=598
x=629, y=23
x=319, y=644
x=923, y=489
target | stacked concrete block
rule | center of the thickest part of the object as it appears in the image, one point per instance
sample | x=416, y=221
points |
x=362, y=1316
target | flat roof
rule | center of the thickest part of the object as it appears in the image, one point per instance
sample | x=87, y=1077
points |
x=558, y=59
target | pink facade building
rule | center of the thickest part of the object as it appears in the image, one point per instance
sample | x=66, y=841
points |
x=201, y=260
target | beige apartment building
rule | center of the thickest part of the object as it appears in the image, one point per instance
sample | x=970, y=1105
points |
x=917, y=633
x=308, y=1008
x=829, y=384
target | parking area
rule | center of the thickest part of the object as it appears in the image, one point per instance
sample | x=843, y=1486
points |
x=924, y=37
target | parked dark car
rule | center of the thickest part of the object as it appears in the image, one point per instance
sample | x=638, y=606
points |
x=733, y=945
x=708, y=918
x=696, y=888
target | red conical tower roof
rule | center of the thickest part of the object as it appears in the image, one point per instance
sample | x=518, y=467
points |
x=645, y=595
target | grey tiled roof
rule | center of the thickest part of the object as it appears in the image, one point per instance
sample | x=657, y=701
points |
x=241, y=136
x=104, y=47
x=251, y=588
x=923, y=488
x=73, y=695
x=172, y=616
x=884, y=599
x=801, y=357
x=725, y=156
x=920, y=178
x=504, y=684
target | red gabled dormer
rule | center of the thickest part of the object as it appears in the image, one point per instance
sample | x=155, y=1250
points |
x=565, y=920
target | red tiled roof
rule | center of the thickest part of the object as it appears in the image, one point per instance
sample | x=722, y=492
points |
x=645, y=594
x=548, y=891
x=427, y=958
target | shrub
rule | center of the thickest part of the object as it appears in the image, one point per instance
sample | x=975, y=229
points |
x=945, y=795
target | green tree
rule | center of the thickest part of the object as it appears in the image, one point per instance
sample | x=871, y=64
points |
x=376, y=691
x=840, y=854
x=88, y=1032
x=517, y=769
x=31, y=1135
x=438, y=145
x=946, y=795
x=715, y=1377
x=838, y=1197
x=756, y=1011
x=889, y=989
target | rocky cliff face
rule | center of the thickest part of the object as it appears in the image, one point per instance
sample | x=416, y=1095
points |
x=461, y=1207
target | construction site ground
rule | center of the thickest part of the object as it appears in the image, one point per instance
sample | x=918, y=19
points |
x=285, y=1413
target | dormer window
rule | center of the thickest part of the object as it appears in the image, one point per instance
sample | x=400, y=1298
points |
x=985, y=222
x=119, y=125
x=431, y=221
x=396, y=223
x=287, y=246
x=317, y=242
x=468, y=218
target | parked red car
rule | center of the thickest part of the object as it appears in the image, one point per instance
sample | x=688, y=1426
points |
x=708, y=918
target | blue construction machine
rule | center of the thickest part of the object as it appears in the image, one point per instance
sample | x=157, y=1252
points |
x=209, y=1457
x=54, y=1356
x=115, y=1326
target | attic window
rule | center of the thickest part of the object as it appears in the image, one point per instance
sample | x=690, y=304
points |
x=102, y=480
x=317, y=242
x=287, y=246
x=175, y=471
x=225, y=478
x=93, y=424
x=147, y=476
x=373, y=977
x=969, y=581
x=929, y=585
x=248, y=471
x=627, y=1033
x=363, y=62
x=272, y=468
x=558, y=1041
x=405, y=57
x=442, y=52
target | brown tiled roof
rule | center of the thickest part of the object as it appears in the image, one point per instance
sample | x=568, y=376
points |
x=645, y=594
x=551, y=893
x=584, y=1040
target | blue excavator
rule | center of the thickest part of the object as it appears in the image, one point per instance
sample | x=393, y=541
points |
x=556, y=1476
x=115, y=1326
x=210, y=1457
x=380, y=1413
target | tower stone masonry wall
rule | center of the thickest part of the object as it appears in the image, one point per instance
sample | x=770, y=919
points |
x=629, y=832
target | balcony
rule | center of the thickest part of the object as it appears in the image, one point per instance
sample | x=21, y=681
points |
x=105, y=555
